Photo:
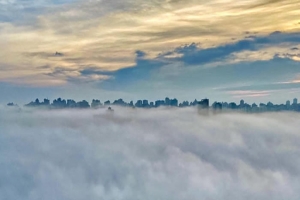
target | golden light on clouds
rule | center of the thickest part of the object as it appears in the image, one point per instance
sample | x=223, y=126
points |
x=106, y=34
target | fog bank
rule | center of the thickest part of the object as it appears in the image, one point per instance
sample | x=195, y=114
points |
x=136, y=154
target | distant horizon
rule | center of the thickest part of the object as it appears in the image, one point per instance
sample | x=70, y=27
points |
x=152, y=100
x=115, y=101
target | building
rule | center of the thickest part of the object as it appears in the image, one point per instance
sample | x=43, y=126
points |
x=295, y=101
x=203, y=104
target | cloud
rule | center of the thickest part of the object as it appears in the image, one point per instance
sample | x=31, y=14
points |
x=192, y=54
x=106, y=33
x=120, y=41
x=271, y=86
x=148, y=154
x=172, y=75
x=77, y=77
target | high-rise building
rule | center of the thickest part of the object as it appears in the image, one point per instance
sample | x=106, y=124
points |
x=295, y=101
x=167, y=101
x=107, y=103
x=159, y=103
x=242, y=103
x=217, y=106
x=204, y=103
x=174, y=102
x=139, y=103
x=145, y=103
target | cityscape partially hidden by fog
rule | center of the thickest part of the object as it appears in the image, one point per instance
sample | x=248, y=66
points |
x=164, y=153
x=60, y=103
x=149, y=100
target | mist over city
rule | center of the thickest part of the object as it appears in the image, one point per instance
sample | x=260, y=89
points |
x=163, y=153
x=149, y=99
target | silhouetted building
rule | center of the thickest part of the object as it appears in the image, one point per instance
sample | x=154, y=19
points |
x=225, y=105
x=59, y=103
x=131, y=104
x=295, y=101
x=254, y=107
x=194, y=103
x=145, y=103
x=232, y=105
x=217, y=106
x=83, y=104
x=109, y=109
x=159, y=103
x=46, y=102
x=174, y=102
x=107, y=103
x=71, y=103
x=33, y=103
x=184, y=104
x=270, y=106
x=167, y=101
x=119, y=102
x=139, y=103
x=95, y=103
x=242, y=103
x=203, y=104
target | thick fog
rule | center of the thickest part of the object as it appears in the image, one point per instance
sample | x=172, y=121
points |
x=155, y=154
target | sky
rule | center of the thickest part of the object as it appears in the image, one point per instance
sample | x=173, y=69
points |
x=169, y=154
x=225, y=50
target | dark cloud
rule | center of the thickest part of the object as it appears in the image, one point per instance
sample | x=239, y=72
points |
x=194, y=55
x=45, y=54
x=140, y=54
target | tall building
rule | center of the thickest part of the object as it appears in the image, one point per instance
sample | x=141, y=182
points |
x=204, y=104
x=107, y=103
x=159, y=103
x=217, y=106
x=232, y=105
x=139, y=103
x=145, y=103
x=174, y=102
x=295, y=101
x=242, y=103
x=167, y=101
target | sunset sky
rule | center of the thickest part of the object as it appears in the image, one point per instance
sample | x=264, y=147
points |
x=225, y=50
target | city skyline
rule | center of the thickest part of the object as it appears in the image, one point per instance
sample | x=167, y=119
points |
x=149, y=99
x=59, y=103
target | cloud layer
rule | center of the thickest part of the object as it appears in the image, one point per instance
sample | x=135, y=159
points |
x=148, y=154
x=157, y=47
